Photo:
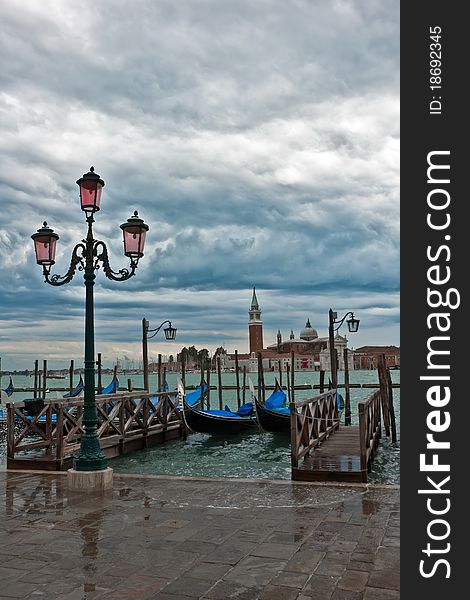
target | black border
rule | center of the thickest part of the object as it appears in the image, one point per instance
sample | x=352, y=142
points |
x=421, y=133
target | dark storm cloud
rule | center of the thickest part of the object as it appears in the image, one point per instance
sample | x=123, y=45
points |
x=259, y=140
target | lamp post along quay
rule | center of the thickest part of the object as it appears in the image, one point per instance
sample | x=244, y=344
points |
x=90, y=470
x=170, y=334
x=353, y=326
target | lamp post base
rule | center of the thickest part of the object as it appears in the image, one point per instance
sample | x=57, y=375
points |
x=90, y=481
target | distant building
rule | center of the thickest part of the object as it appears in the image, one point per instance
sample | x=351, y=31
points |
x=366, y=357
x=311, y=352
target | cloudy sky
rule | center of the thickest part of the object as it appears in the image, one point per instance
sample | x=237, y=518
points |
x=259, y=141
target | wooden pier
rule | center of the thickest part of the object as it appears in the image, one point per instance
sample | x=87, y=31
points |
x=324, y=450
x=126, y=422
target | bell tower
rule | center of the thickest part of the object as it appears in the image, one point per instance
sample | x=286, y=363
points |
x=255, y=325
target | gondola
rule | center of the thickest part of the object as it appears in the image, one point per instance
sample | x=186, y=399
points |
x=223, y=422
x=112, y=387
x=273, y=415
x=77, y=390
x=9, y=389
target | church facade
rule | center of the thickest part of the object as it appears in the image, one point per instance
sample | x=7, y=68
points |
x=311, y=352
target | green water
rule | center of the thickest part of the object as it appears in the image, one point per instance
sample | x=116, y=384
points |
x=259, y=455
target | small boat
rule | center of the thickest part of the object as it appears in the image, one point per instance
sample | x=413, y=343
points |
x=10, y=388
x=273, y=415
x=214, y=421
x=196, y=397
x=112, y=387
x=78, y=389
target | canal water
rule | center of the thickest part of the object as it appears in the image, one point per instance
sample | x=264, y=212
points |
x=258, y=455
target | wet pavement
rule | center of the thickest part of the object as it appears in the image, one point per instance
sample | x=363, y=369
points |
x=168, y=538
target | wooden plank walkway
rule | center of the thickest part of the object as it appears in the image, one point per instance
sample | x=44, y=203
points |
x=336, y=459
x=324, y=450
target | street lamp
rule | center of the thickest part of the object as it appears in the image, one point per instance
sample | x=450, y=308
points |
x=353, y=326
x=170, y=334
x=87, y=256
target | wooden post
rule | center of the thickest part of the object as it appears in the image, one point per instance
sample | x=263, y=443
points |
x=219, y=385
x=280, y=372
x=71, y=370
x=322, y=381
x=115, y=379
x=201, y=383
x=263, y=387
x=129, y=384
x=11, y=430
x=381, y=370
x=391, y=408
x=44, y=379
x=208, y=372
x=292, y=374
x=99, y=365
x=260, y=383
x=164, y=379
x=159, y=374
x=39, y=383
x=288, y=382
x=36, y=378
x=60, y=435
x=237, y=378
x=347, y=399
x=244, y=385
x=362, y=439
x=145, y=356
x=146, y=415
x=336, y=369
x=122, y=425
x=294, y=459
x=183, y=371
x=49, y=427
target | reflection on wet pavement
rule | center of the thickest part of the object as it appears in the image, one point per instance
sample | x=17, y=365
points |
x=172, y=538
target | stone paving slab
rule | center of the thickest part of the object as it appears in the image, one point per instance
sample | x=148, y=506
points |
x=170, y=538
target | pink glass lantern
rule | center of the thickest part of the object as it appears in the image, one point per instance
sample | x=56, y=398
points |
x=134, y=231
x=91, y=186
x=45, y=241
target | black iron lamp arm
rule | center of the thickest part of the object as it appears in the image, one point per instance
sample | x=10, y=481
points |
x=155, y=331
x=77, y=260
x=100, y=252
x=339, y=323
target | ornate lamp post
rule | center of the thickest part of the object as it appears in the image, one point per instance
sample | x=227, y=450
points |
x=353, y=326
x=170, y=334
x=87, y=256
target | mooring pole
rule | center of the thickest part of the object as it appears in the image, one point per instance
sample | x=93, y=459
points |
x=71, y=370
x=36, y=378
x=44, y=379
x=288, y=382
x=208, y=372
x=145, y=356
x=292, y=374
x=219, y=378
x=99, y=369
x=244, y=384
x=347, y=400
x=159, y=374
x=237, y=378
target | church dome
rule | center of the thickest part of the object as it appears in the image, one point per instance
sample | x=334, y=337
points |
x=308, y=333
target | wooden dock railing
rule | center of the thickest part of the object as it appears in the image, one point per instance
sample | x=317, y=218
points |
x=312, y=421
x=369, y=428
x=126, y=422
